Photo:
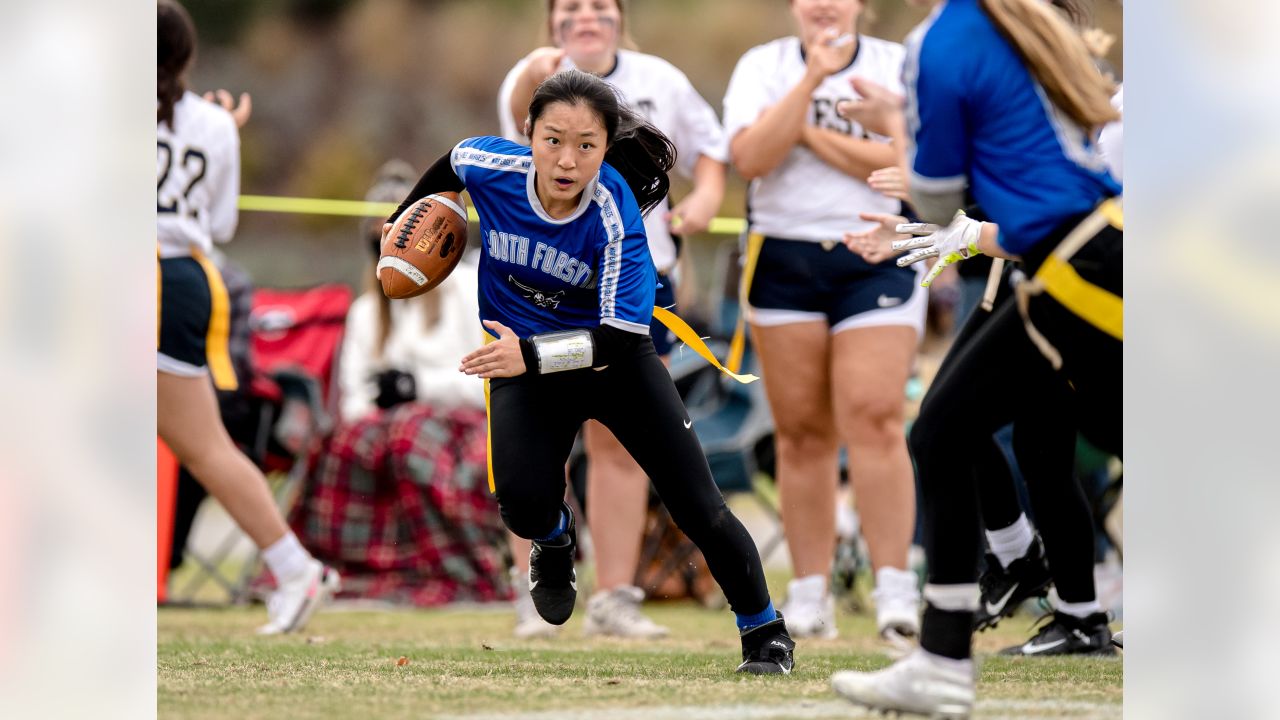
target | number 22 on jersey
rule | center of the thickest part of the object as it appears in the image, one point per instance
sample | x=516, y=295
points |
x=177, y=177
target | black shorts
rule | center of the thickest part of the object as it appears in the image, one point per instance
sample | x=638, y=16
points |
x=802, y=281
x=664, y=297
x=194, y=316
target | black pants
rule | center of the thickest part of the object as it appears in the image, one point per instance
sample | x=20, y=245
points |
x=1044, y=445
x=994, y=377
x=534, y=418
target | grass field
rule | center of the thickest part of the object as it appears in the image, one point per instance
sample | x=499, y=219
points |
x=465, y=664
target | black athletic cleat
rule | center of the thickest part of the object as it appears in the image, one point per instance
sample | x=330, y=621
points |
x=553, y=585
x=1068, y=635
x=766, y=649
x=1004, y=589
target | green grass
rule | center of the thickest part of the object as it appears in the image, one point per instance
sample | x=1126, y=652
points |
x=211, y=665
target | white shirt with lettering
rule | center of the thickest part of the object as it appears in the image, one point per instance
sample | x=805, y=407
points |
x=804, y=198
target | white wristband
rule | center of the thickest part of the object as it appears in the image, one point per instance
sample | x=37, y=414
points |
x=565, y=350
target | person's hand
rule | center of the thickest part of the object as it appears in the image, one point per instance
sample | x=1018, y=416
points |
x=240, y=113
x=951, y=244
x=500, y=358
x=1098, y=41
x=877, y=108
x=827, y=54
x=543, y=63
x=876, y=245
x=891, y=181
x=693, y=214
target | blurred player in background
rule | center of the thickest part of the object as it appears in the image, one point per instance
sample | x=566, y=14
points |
x=586, y=34
x=836, y=334
x=566, y=288
x=197, y=184
x=981, y=76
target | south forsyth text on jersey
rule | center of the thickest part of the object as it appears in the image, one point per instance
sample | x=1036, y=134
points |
x=512, y=248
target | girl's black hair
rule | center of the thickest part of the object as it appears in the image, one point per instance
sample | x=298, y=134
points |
x=175, y=45
x=636, y=149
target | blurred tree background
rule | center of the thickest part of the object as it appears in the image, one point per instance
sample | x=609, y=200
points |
x=340, y=86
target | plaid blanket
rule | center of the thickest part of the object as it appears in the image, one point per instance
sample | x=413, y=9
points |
x=399, y=503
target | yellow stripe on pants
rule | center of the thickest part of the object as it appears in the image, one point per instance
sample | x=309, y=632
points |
x=219, y=333
x=159, y=296
x=488, y=437
x=488, y=424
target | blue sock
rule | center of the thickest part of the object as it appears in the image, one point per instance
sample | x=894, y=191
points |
x=767, y=615
x=564, y=525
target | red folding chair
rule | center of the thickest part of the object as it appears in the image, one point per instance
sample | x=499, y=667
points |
x=294, y=344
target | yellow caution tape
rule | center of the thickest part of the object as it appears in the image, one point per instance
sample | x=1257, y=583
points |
x=360, y=208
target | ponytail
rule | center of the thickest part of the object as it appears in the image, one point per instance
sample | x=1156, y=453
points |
x=643, y=156
x=175, y=46
x=169, y=91
x=1056, y=56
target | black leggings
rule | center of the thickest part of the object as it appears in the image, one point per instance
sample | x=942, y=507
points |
x=996, y=377
x=1044, y=443
x=532, y=423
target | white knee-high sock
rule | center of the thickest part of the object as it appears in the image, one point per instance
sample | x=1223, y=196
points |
x=1009, y=544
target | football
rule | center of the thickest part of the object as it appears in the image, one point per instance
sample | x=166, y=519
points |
x=424, y=246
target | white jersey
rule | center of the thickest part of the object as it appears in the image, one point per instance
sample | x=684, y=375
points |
x=197, y=177
x=804, y=198
x=663, y=95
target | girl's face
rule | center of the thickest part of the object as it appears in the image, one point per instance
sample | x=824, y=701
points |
x=814, y=16
x=587, y=29
x=568, y=143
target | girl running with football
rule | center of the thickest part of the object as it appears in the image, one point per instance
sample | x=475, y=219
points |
x=567, y=292
x=588, y=35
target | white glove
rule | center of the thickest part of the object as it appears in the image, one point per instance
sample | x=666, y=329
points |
x=951, y=244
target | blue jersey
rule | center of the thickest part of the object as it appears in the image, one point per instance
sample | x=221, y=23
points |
x=538, y=274
x=980, y=121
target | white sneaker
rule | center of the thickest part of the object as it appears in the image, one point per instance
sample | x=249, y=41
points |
x=920, y=683
x=810, y=610
x=292, y=604
x=897, y=600
x=529, y=624
x=617, y=612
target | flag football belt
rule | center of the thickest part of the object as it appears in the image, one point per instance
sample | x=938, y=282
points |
x=1099, y=307
x=689, y=337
